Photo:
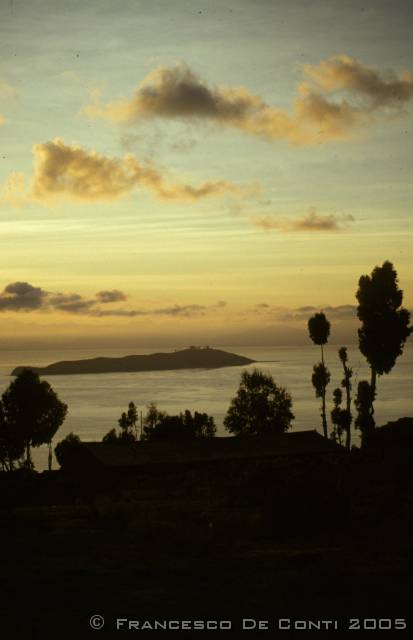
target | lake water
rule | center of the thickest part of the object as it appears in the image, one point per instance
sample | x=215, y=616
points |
x=96, y=401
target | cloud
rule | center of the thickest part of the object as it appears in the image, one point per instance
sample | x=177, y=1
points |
x=311, y=222
x=282, y=314
x=22, y=296
x=323, y=120
x=13, y=190
x=110, y=296
x=70, y=303
x=173, y=92
x=177, y=92
x=384, y=89
x=187, y=311
x=340, y=312
x=319, y=112
x=65, y=171
x=181, y=310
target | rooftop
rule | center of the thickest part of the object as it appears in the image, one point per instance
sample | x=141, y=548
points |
x=204, y=450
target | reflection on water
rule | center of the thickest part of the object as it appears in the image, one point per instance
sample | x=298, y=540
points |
x=96, y=401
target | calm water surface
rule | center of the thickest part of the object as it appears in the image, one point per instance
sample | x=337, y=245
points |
x=96, y=401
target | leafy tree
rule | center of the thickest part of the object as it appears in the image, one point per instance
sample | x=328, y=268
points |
x=128, y=428
x=341, y=418
x=346, y=384
x=65, y=449
x=33, y=412
x=123, y=422
x=158, y=425
x=319, y=330
x=260, y=406
x=201, y=424
x=385, y=323
x=363, y=402
x=128, y=422
x=169, y=428
x=11, y=449
x=151, y=420
x=111, y=437
x=320, y=380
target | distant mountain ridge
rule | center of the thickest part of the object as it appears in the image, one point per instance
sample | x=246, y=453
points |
x=191, y=358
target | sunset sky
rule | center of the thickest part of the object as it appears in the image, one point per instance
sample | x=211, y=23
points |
x=211, y=172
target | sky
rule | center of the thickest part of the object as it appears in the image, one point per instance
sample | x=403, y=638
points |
x=176, y=172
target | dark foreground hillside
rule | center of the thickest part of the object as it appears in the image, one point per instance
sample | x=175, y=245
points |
x=310, y=539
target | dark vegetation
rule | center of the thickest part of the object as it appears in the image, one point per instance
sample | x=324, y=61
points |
x=158, y=425
x=260, y=407
x=319, y=330
x=324, y=535
x=30, y=415
x=382, y=335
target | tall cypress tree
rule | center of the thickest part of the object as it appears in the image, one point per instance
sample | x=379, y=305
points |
x=385, y=323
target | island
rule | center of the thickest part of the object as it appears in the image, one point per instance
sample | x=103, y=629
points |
x=191, y=358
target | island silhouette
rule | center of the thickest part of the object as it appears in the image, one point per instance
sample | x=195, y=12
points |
x=190, y=358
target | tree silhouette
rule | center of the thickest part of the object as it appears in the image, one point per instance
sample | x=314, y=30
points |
x=33, y=412
x=65, y=449
x=11, y=449
x=200, y=424
x=260, y=407
x=346, y=384
x=111, y=436
x=151, y=420
x=184, y=426
x=128, y=428
x=127, y=423
x=341, y=418
x=320, y=379
x=133, y=418
x=319, y=330
x=385, y=323
x=363, y=402
x=170, y=428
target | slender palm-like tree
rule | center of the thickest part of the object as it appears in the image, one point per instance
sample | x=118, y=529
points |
x=319, y=330
x=346, y=384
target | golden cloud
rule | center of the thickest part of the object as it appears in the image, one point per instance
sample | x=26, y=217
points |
x=311, y=222
x=345, y=73
x=316, y=116
x=63, y=171
x=13, y=190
